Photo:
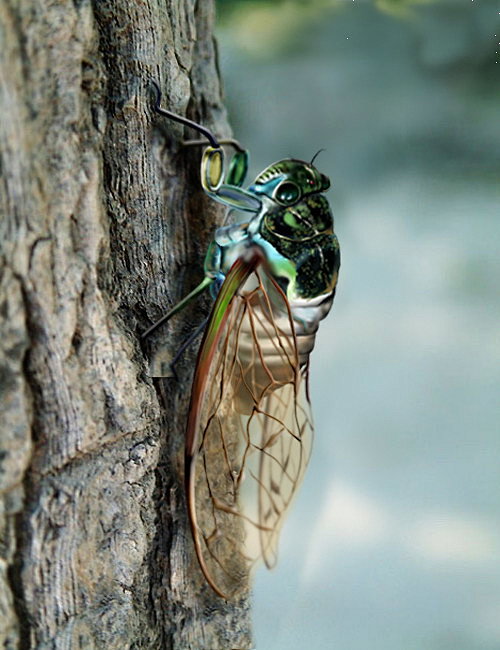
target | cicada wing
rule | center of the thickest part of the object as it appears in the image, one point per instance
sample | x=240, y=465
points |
x=287, y=437
x=250, y=430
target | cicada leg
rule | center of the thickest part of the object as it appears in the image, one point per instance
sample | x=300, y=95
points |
x=238, y=165
x=224, y=188
x=183, y=120
x=204, y=284
x=162, y=364
x=228, y=193
x=190, y=339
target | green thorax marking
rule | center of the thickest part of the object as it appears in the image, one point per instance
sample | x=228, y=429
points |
x=303, y=235
x=306, y=220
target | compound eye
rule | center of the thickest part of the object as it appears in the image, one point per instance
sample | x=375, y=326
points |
x=287, y=193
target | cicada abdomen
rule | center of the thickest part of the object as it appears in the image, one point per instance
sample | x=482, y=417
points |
x=267, y=351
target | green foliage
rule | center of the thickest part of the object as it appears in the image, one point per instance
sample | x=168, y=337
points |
x=400, y=7
x=226, y=7
x=265, y=28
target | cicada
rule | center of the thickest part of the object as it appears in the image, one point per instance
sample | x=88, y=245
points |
x=249, y=434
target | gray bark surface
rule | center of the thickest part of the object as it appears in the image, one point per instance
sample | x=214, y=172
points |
x=103, y=227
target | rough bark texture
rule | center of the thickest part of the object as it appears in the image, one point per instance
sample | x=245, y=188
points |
x=103, y=227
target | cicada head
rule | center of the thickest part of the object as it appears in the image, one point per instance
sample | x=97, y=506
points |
x=288, y=181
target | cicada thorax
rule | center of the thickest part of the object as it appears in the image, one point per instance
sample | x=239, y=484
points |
x=303, y=252
x=303, y=235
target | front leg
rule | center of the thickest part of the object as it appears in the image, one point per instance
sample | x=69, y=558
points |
x=233, y=196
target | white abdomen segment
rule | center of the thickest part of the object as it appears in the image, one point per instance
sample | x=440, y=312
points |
x=307, y=315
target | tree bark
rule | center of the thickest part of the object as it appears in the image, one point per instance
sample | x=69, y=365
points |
x=103, y=227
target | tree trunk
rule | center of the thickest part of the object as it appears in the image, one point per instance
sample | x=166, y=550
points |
x=104, y=227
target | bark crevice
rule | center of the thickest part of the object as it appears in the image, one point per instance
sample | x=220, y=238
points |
x=103, y=226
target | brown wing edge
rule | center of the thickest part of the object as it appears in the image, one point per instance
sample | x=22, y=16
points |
x=235, y=279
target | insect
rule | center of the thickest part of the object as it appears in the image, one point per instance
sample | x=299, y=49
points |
x=249, y=433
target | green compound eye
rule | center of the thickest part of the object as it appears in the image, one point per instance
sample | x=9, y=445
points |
x=287, y=193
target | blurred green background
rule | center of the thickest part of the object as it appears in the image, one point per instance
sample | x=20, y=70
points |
x=394, y=541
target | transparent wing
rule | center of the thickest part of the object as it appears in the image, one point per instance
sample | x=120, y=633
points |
x=250, y=429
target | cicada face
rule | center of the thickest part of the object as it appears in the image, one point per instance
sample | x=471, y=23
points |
x=288, y=181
